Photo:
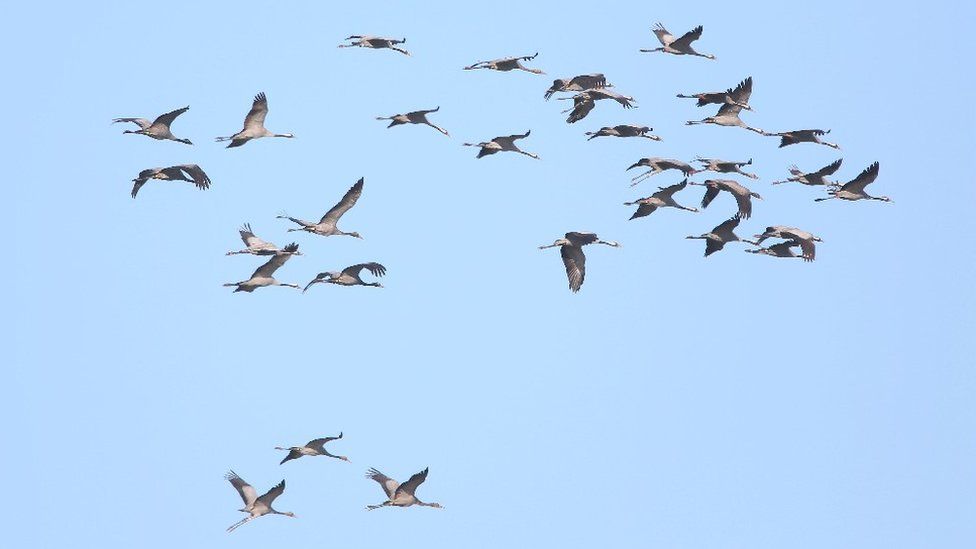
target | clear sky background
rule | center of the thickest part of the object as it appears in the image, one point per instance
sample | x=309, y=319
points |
x=737, y=401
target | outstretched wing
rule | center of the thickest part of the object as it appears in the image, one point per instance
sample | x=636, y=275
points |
x=727, y=227
x=589, y=81
x=277, y=260
x=663, y=35
x=512, y=138
x=375, y=268
x=710, y=195
x=415, y=480
x=643, y=210
x=575, y=262
x=668, y=192
x=319, y=443
x=348, y=201
x=829, y=169
x=250, y=240
x=167, y=119
x=388, y=484
x=259, y=110
x=580, y=110
x=740, y=95
x=196, y=174
x=141, y=122
x=863, y=179
x=268, y=497
x=247, y=492
x=687, y=38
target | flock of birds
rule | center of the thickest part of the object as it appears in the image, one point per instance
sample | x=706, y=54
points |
x=586, y=90
x=255, y=506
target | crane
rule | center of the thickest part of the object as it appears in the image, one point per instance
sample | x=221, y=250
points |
x=255, y=506
x=658, y=165
x=264, y=275
x=718, y=98
x=327, y=225
x=415, y=117
x=400, y=495
x=577, y=83
x=375, y=42
x=854, y=189
x=183, y=172
x=254, y=124
x=728, y=113
x=743, y=196
x=571, y=250
x=157, y=129
x=725, y=166
x=720, y=235
x=677, y=46
x=802, y=136
x=663, y=198
x=314, y=447
x=506, y=64
x=818, y=177
x=502, y=143
x=255, y=246
x=350, y=276
x=623, y=130
x=805, y=239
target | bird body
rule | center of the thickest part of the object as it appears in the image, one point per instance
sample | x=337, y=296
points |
x=255, y=506
x=623, y=130
x=743, y=196
x=264, y=275
x=157, y=129
x=502, y=143
x=571, y=250
x=253, y=124
x=663, y=198
x=327, y=225
x=400, y=495
x=375, y=42
x=506, y=64
x=314, y=447
x=854, y=189
x=677, y=46
x=415, y=117
x=349, y=276
x=818, y=177
x=183, y=172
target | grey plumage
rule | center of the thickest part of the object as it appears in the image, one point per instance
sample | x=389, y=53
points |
x=350, y=276
x=577, y=83
x=157, y=129
x=414, y=117
x=375, y=42
x=327, y=225
x=506, y=64
x=663, y=198
x=571, y=250
x=253, y=124
x=743, y=196
x=677, y=46
x=720, y=235
x=264, y=275
x=182, y=172
x=502, y=143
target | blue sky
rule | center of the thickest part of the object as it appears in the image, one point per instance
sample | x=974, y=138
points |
x=676, y=401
